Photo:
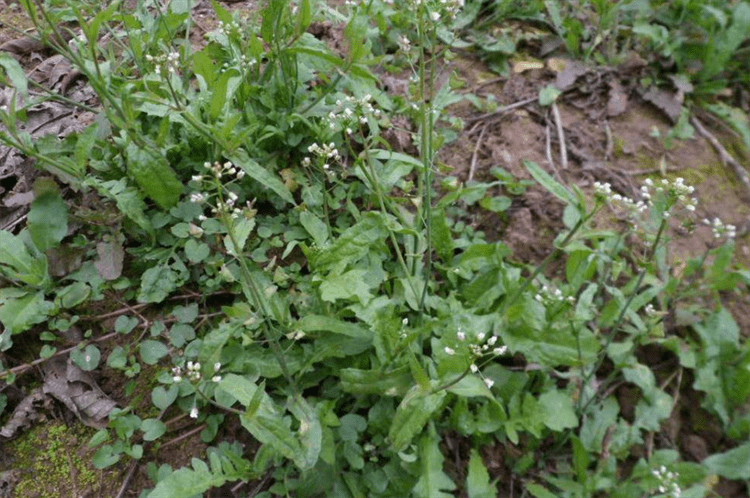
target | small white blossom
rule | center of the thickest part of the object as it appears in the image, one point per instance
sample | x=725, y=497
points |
x=489, y=383
x=449, y=351
x=194, y=412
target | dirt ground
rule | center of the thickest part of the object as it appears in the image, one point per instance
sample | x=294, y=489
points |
x=611, y=134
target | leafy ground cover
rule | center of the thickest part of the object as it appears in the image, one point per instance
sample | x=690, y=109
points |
x=419, y=248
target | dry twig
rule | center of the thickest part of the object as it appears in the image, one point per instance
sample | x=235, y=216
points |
x=473, y=166
x=560, y=137
x=501, y=110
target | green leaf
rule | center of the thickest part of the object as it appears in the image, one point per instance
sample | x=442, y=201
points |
x=550, y=183
x=433, y=482
x=732, y=464
x=548, y=95
x=154, y=176
x=152, y=351
x=18, y=314
x=48, y=219
x=349, y=285
x=15, y=74
x=163, y=398
x=441, y=237
x=411, y=416
x=261, y=175
x=580, y=460
x=352, y=245
x=187, y=483
x=320, y=323
x=557, y=410
x=478, y=483
x=152, y=429
x=314, y=227
x=266, y=423
x=241, y=229
x=17, y=263
x=87, y=359
x=157, y=283
x=127, y=198
x=390, y=383
x=539, y=491
x=196, y=251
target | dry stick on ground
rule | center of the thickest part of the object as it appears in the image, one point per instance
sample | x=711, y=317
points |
x=184, y=436
x=128, y=477
x=501, y=110
x=549, y=154
x=726, y=158
x=473, y=166
x=560, y=137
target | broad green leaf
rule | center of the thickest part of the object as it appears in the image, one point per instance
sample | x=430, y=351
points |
x=320, y=323
x=478, y=483
x=411, y=416
x=152, y=429
x=548, y=95
x=154, y=176
x=86, y=359
x=732, y=464
x=310, y=432
x=15, y=74
x=17, y=263
x=549, y=183
x=48, y=218
x=152, y=351
x=127, y=198
x=187, y=483
x=20, y=313
x=196, y=251
x=557, y=410
x=471, y=386
x=433, y=482
x=349, y=285
x=580, y=460
x=391, y=383
x=162, y=398
x=267, y=179
x=539, y=491
x=352, y=245
x=157, y=283
x=314, y=227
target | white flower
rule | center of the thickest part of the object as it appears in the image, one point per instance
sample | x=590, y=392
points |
x=489, y=383
x=474, y=368
x=480, y=336
x=194, y=412
x=217, y=366
x=500, y=351
x=492, y=340
x=216, y=378
x=461, y=336
x=449, y=351
x=435, y=16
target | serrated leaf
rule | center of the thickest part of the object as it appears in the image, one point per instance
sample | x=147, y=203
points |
x=242, y=229
x=478, y=483
x=187, y=483
x=127, y=198
x=441, y=237
x=433, y=482
x=154, y=176
x=411, y=416
x=265, y=178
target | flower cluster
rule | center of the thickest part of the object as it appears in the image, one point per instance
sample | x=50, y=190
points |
x=439, y=9
x=218, y=170
x=193, y=372
x=244, y=64
x=227, y=29
x=719, y=229
x=479, y=349
x=667, y=482
x=327, y=153
x=671, y=194
x=170, y=61
x=550, y=295
x=352, y=112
